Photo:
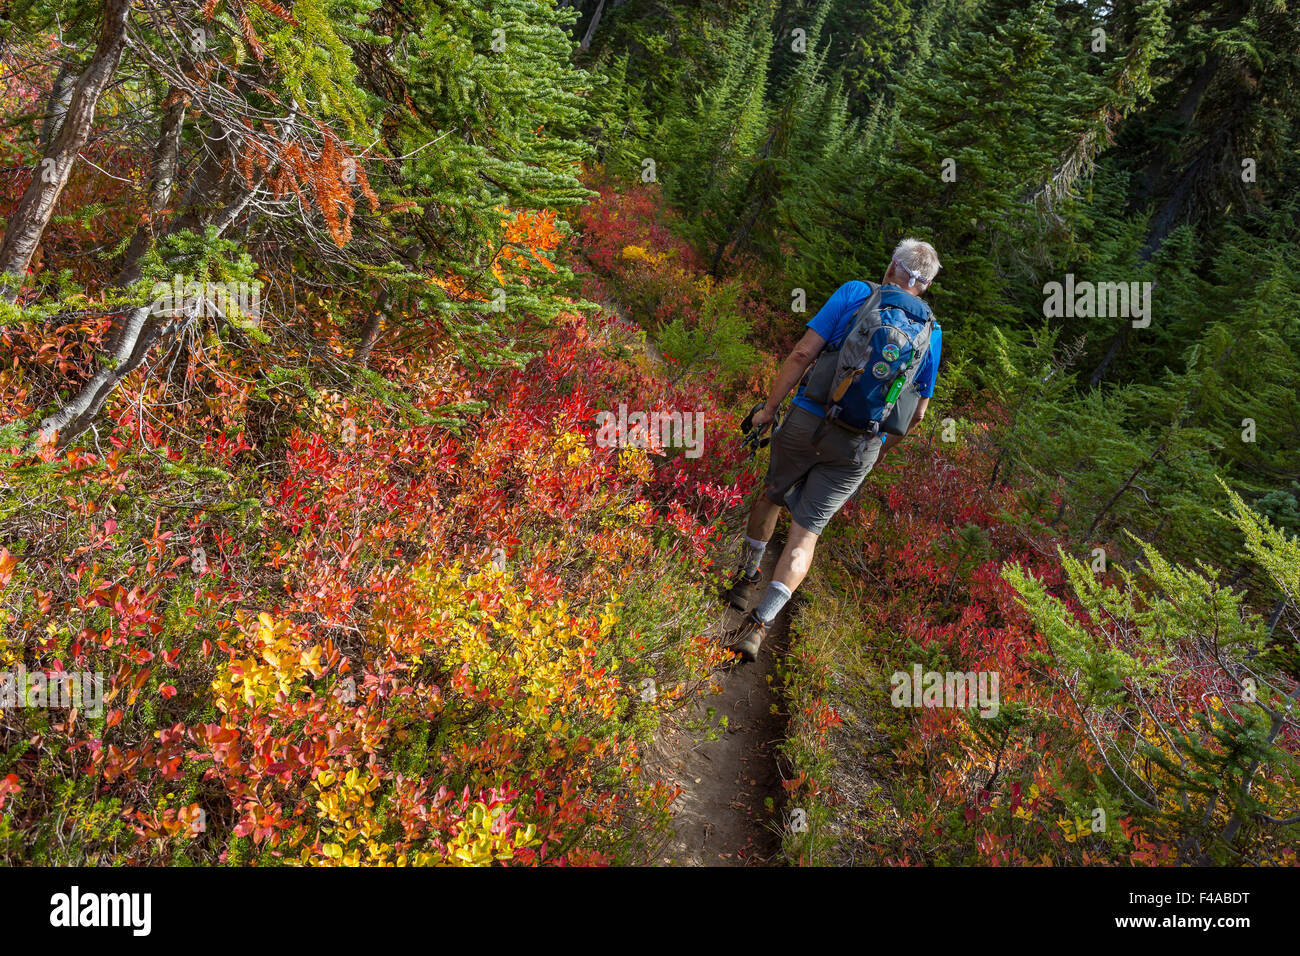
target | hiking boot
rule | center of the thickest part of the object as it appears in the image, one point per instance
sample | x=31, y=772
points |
x=743, y=590
x=746, y=639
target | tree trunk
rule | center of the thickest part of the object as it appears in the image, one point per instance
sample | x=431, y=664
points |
x=36, y=207
x=1112, y=352
x=1162, y=223
x=759, y=206
x=591, y=30
x=1277, y=720
x=1128, y=483
x=162, y=178
x=1188, y=105
x=203, y=194
x=370, y=332
x=60, y=96
x=209, y=190
x=141, y=331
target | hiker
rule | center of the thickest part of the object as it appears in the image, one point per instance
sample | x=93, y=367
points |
x=876, y=349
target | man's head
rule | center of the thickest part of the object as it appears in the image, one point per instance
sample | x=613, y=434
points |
x=913, y=267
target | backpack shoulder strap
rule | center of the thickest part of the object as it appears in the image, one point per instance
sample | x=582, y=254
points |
x=871, y=304
x=920, y=349
x=827, y=362
x=923, y=337
x=846, y=372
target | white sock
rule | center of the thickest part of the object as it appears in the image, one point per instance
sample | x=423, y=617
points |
x=773, y=600
x=753, y=556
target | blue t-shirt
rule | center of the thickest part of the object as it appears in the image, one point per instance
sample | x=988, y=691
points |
x=832, y=324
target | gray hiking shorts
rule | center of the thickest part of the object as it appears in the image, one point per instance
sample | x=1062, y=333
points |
x=814, y=481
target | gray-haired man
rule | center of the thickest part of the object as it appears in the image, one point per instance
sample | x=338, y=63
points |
x=814, y=469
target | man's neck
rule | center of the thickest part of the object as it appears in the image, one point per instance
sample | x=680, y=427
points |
x=900, y=288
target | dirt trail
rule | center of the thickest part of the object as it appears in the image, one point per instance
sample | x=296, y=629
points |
x=722, y=817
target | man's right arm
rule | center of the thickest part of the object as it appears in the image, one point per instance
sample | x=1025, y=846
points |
x=821, y=328
x=888, y=442
x=792, y=369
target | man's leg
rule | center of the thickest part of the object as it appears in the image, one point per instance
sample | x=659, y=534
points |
x=790, y=461
x=758, y=532
x=797, y=556
x=823, y=493
x=790, y=572
x=762, y=519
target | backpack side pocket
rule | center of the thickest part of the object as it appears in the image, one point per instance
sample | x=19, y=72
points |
x=821, y=376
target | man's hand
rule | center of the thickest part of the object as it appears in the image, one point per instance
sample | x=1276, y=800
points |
x=763, y=417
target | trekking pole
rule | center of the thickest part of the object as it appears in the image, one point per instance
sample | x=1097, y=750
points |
x=752, y=435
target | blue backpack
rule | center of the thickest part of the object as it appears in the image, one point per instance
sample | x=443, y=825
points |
x=868, y=383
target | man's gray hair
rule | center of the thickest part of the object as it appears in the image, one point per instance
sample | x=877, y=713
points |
x=918, y=259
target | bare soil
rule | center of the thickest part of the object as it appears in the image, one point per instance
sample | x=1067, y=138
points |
x=731, y=809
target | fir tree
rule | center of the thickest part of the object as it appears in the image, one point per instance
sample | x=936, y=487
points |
x=1197, y=755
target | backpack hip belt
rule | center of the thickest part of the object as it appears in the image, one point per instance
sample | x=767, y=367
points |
x=833, y=416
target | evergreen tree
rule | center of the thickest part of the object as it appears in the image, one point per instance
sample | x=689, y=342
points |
x=701, y=149
x=1199, y=756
